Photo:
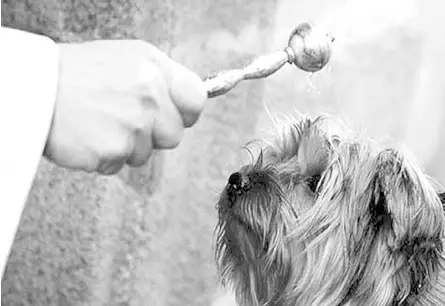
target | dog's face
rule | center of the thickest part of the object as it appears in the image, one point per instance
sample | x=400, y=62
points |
x=318, y=219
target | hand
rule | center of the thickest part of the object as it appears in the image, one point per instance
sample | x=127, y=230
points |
x=117, y=101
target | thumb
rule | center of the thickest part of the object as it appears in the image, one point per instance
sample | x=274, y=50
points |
x=186, y=88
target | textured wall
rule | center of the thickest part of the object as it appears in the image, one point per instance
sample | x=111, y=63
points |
x=144, y=237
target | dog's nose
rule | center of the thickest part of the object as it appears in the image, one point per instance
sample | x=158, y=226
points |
x=238, y=182
x=235, y=179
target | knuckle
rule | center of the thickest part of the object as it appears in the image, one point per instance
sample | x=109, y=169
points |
x=139, y=127
x=149, y=100
x=148, y=75
x=149, y=87
x=140, y=121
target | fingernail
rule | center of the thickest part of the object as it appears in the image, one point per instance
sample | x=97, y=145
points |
x=111, y=168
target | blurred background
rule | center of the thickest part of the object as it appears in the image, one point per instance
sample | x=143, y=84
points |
x=144, y=236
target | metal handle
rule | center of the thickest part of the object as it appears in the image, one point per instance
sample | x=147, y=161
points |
x=306, y=49
x=261, y=67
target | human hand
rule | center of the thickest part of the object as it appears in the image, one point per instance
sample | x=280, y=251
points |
x=117, y=101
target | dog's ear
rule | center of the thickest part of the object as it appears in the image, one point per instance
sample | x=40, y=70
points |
x=413, y=220
x=409, y=199
x=313, y=149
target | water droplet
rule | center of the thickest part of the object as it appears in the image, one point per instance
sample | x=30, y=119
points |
x=312, y=87
x=310, y=83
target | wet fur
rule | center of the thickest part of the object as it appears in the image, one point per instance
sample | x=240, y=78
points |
x=325, y=218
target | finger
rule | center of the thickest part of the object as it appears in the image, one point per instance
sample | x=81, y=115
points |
x=68, y=152
x=187, y=90
x=111, y=167
x=168, y=127
x=119, y=148
x=143, y=148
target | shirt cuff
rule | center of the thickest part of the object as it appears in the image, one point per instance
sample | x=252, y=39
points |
x=29, y=78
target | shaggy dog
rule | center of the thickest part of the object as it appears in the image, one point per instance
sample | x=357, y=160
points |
x=323, y=218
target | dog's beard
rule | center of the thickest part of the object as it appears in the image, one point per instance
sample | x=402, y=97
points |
x=321, y=220
x=251, y=248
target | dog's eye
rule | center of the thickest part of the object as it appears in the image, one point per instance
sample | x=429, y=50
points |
x=312, y=182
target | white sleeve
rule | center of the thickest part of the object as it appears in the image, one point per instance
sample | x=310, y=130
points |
x=29, y=76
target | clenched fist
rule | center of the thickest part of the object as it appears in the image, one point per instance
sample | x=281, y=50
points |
x=117, y=101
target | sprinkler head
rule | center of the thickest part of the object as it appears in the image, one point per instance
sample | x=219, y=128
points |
x=311, y=48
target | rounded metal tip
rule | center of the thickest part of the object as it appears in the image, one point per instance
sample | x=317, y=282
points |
x=311, y=47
